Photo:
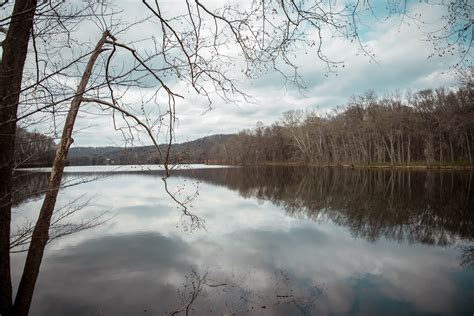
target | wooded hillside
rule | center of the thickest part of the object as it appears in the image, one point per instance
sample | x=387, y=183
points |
x=427, y=127
x=430, y=127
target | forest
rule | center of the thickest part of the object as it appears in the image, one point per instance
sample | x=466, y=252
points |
x=33, y=148
x=429, y=127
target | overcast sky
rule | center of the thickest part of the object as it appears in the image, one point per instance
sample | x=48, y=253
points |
x=401, y=62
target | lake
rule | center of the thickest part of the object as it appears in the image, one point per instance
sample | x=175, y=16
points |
x=265, y=241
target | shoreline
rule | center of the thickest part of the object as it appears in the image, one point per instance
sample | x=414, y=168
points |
x=294, y=164
x=380, y=166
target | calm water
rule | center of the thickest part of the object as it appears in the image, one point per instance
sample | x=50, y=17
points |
x=276, y=241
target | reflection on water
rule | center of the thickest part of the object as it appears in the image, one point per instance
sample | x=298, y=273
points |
x=278, y=241
x=28, y=186
x=426, y=207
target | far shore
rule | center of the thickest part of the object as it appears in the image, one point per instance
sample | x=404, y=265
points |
x=416, y=166
x=377, y=166
x=383, y=166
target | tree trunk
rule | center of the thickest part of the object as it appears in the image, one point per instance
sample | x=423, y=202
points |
x=41, y=231
x=451, y=148
x=468, y=148
x=440, y=148
x=392, y=150
x=14, y=51
x=409, y=150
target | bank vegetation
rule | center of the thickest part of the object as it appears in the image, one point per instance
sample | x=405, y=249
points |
x=426, y=128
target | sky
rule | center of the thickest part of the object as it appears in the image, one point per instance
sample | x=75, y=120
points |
x=400, y=62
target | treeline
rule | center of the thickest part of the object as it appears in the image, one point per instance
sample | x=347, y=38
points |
x=196, y=151
x=429, y=127
x=33, y=149
x=90, y=156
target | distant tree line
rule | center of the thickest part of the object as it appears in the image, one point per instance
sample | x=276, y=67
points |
x=196, y=151
x=429, y=127
x=33, y=149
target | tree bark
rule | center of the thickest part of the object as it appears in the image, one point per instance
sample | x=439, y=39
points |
x=468, y=148
x=15, y=50
x=41, y=231
x=409, y=149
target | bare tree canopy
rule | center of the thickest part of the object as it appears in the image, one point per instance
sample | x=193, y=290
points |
x=426, y=128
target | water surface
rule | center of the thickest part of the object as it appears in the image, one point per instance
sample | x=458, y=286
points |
x=276, y=241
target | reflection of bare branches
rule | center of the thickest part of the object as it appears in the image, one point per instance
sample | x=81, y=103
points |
x=30, y=185
x=236, y=297
x=60, y=227
x=192, y=290
x=467, y=256
x=289, y=293
x=196, y=221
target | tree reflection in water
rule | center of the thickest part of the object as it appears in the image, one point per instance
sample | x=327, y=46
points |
x=237, y=296
x=429, y=207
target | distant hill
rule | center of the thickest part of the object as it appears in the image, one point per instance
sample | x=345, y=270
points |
x=197, y=151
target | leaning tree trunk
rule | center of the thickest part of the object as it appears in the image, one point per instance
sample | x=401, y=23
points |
x=41, y=231
x=14, y=52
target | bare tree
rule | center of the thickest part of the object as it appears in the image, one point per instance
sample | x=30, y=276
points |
x=14, y=51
